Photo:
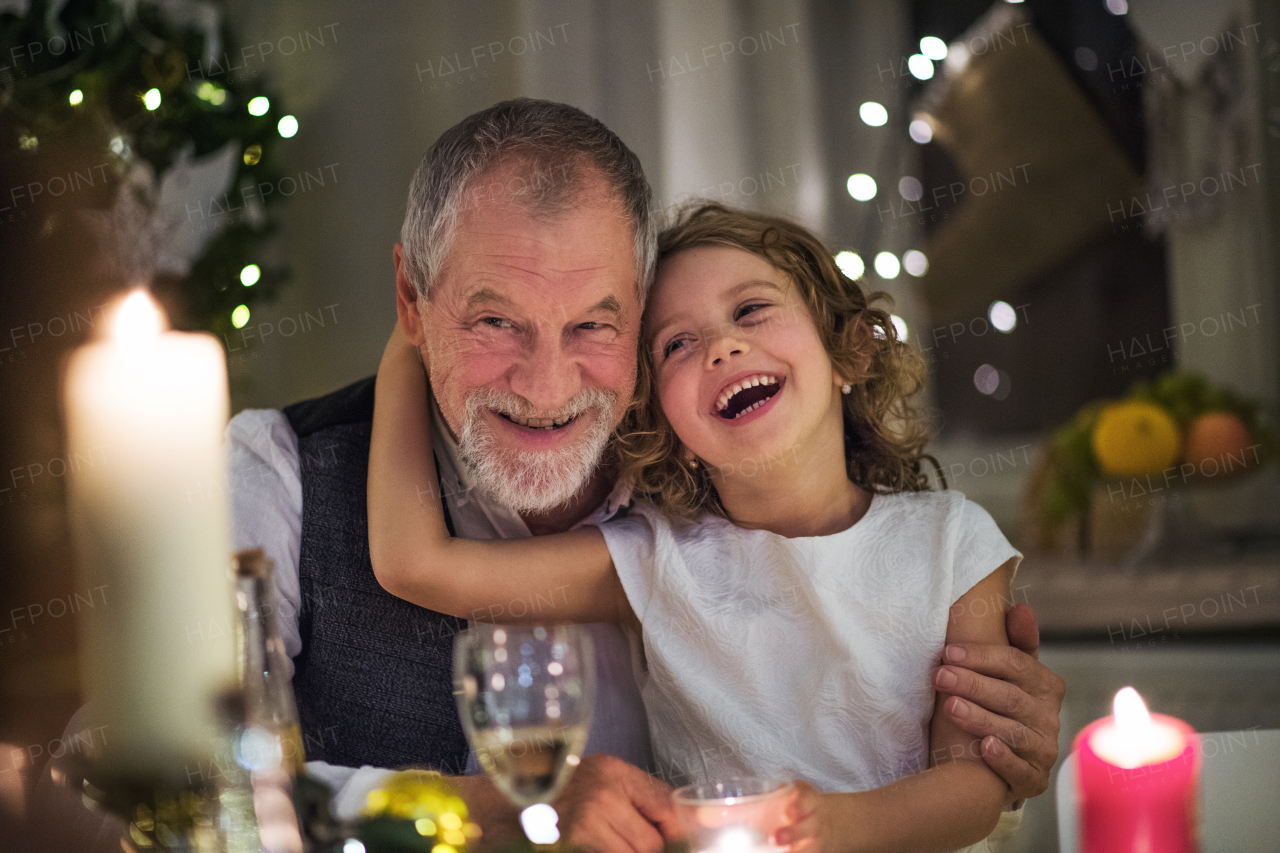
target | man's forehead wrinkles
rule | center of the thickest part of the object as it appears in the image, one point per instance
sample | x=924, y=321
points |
x=540, y=267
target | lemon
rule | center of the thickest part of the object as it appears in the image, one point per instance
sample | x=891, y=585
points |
x=1135, y=438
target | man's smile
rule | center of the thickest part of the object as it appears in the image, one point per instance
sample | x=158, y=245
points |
x=540, y=423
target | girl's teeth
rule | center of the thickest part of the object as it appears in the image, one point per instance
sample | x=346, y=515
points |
x=754, y=381
x=750, y=409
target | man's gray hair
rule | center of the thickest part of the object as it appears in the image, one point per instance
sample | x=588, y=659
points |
x=551, y=143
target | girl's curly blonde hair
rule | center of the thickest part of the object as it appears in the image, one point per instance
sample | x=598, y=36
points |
x=885, y=433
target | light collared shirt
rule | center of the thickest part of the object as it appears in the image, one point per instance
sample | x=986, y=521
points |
x=266, y=511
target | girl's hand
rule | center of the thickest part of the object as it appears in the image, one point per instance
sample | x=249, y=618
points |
x=398, y=342
x=803, y=833
x=400, y=350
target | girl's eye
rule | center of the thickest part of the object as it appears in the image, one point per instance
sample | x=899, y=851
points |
x=748, y=309
x=672, y=346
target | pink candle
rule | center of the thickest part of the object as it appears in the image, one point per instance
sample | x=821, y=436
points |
x=1137, y=782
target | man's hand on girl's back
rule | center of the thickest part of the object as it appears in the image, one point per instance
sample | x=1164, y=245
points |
x=1013, y=703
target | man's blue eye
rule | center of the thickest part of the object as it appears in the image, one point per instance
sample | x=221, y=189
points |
x=495, y=322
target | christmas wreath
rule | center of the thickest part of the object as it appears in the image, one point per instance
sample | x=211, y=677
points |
x=183, y=157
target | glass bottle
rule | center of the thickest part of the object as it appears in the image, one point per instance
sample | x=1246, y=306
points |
x=269, y=744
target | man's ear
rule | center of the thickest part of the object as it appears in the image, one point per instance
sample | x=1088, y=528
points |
x=407, y=308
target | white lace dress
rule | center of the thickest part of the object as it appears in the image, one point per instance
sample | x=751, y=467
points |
x=809, y=656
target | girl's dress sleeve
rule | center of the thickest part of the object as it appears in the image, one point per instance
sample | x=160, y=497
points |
x=980, y=549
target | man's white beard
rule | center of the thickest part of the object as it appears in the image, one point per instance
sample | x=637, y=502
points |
x=525, y=481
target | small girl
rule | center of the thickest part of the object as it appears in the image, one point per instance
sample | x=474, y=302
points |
x=791, y=577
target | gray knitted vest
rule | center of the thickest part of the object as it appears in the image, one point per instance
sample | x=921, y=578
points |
x=374, y=680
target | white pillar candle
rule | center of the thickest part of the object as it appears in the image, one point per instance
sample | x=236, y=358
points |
x=153, y=403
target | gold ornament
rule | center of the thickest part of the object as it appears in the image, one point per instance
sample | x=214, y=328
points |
x=428, y=800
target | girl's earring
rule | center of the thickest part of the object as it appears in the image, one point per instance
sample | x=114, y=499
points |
x=846, y=388
x=693, y=463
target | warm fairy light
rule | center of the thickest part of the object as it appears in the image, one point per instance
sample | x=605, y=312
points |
x=920, y=66
x=933, y=47
x=873, y=114
x=240, y=316
x=900, y=326
x=915, y=262
x=76, y=98
x=862, y=186
x=207, y=91
x=1005, y=319
x=887, y=265
x=259, y=106
x=151, y=100
x=138, y=320
x=250, y=274
x=288, y=127
x=850, y=263
x=920, y=130
x=986, y=379
x=910, y=188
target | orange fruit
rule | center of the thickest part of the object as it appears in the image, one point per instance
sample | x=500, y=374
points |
x=1218, y=441
x=1135, y=438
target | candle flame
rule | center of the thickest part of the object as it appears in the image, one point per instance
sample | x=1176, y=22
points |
x=1134, y=739
x=138, y=320
x=1132, y=717
x=737, y=839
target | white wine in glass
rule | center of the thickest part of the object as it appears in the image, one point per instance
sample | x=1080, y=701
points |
x=526, y=695
x=530, y=765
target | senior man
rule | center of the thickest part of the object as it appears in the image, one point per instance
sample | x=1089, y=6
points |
x=525, y=255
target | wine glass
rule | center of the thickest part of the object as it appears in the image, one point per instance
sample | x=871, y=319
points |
x=526, y=695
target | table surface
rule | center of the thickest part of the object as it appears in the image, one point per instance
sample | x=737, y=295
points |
x=1239, y=793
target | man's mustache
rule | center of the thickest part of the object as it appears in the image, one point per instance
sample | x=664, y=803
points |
x=513, y=405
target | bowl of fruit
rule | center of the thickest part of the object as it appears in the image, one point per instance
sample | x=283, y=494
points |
x=1107, y=477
